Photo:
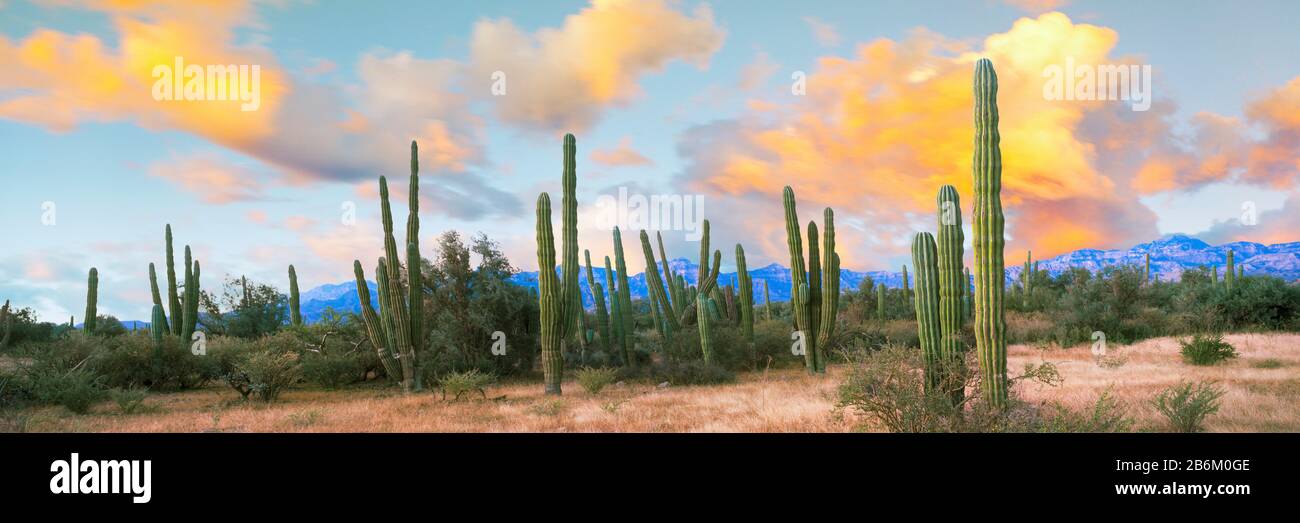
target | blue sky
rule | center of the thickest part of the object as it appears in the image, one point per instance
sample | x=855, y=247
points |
x=667, y=102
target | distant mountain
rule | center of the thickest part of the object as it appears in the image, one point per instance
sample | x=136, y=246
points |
x=1170, y=256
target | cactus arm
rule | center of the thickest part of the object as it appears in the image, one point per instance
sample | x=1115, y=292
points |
x=374, y=329
x=173, y=296
x=704, y=321
x=157, y=299
x=658, y=296
x=624, y=299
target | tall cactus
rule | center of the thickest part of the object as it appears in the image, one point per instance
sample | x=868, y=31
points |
x=191, y=304
x=624, y=300
x=92, y=296
x=397, y=331
x=173, y=296
x=704, y=320
x=674, y=292
x=157, y=300
x=968, y=301
x=556, y=296
x=951, y=286
x=658, y=295
x=414, y=261
x=1146, y=269
x=813, y=300
x=767, y=302
x=159, y=319
x=1230, y=275
x=880, y=301
x=295, y=312
x=926, y=300
x=615, y=308
x=374, y=328
x=988, y=241
x=598, y=298
x=1027, y=272
x=746, y=300
x=907, y=290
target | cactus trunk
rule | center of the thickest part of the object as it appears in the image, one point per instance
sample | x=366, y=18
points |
x=624, y=300
x=767, y=302
x=704, y=320
x=658, y=295
x=157, y=299
x=375, y=330
x=813, y=300
x=295, y=312
x=173, y=296
x=988, y=241
x=92, y=296
x=926, y=299
x=598, y=298
x=1146, y=269
x=949, y=252
x=1230, y=275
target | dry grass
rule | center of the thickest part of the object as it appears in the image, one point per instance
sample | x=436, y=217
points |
x=1258, y=400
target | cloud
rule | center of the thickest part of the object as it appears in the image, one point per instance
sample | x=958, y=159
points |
x=1268, y=227
x=824, y=32
x=1037, y=6
x=757, y=71
x=880, y=131
x=621, y=156
x=562, y=79
x=213, y=179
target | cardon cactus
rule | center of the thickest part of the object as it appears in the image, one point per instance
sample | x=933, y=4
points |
x=767, y=302
x=157, y=300
x=988, y=241
x=814, y=299
x=598, y=298
x=92, y=296
x=190, y=307
x=556, y=294
x=1146, y=269
x=173, y=296
x=1027, y=272
x=159, y=319
x=659, y=297
x=1230, y=275
x=704, y=321
x=397, y=331
x=374, y=328
x=674, y=291
x=880, y=302
x=746, y=301
x=907, y=289
x=624, y=300
x=295, y=312
x=615, y=309
x=951, y=286
x=926, y=300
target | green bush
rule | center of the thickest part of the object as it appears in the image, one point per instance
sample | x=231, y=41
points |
x=129, y=401
x=1106, y=415
x=593, y=380
x=263, y=368
x=76, y=389
x=458, y=384
x=1186, y=405
x=679, y=373
x=333, y=370
x=1209, y=349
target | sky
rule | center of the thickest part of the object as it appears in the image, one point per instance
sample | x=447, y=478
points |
x=864, y=107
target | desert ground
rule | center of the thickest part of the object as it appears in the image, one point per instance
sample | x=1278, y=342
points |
x=1263, y=386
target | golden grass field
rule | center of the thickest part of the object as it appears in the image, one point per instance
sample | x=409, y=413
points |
x=1259, y=399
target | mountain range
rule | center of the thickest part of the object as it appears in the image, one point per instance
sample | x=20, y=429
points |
x=1170, y=256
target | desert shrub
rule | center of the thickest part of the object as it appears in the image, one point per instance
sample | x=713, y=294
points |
x=888, y=386
x=1206, y=349
x=730, y=350
x=1259, y=302
x=593, y=380
x=1028, y=327
x=1107, y=414
x=263, y=368
x=134, y=360
x=77, y=389
x=332, y=370
x=901, y=333
x=129, y=401
x=458, y=384
x=1186, y=405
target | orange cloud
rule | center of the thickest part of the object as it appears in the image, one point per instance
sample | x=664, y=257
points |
x=879, y=132
x=561, y=79
x=622, y=156
x=214, y=180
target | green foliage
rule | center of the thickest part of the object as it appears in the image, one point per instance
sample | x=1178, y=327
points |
x=76, y=389
x=129, y=401
x=334, y=370
x=1186, y=405
x=595, y=379
x=1206, y=349
x=680, y=373
x=263, y=368
x=458, y=384
x=1107, y=414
